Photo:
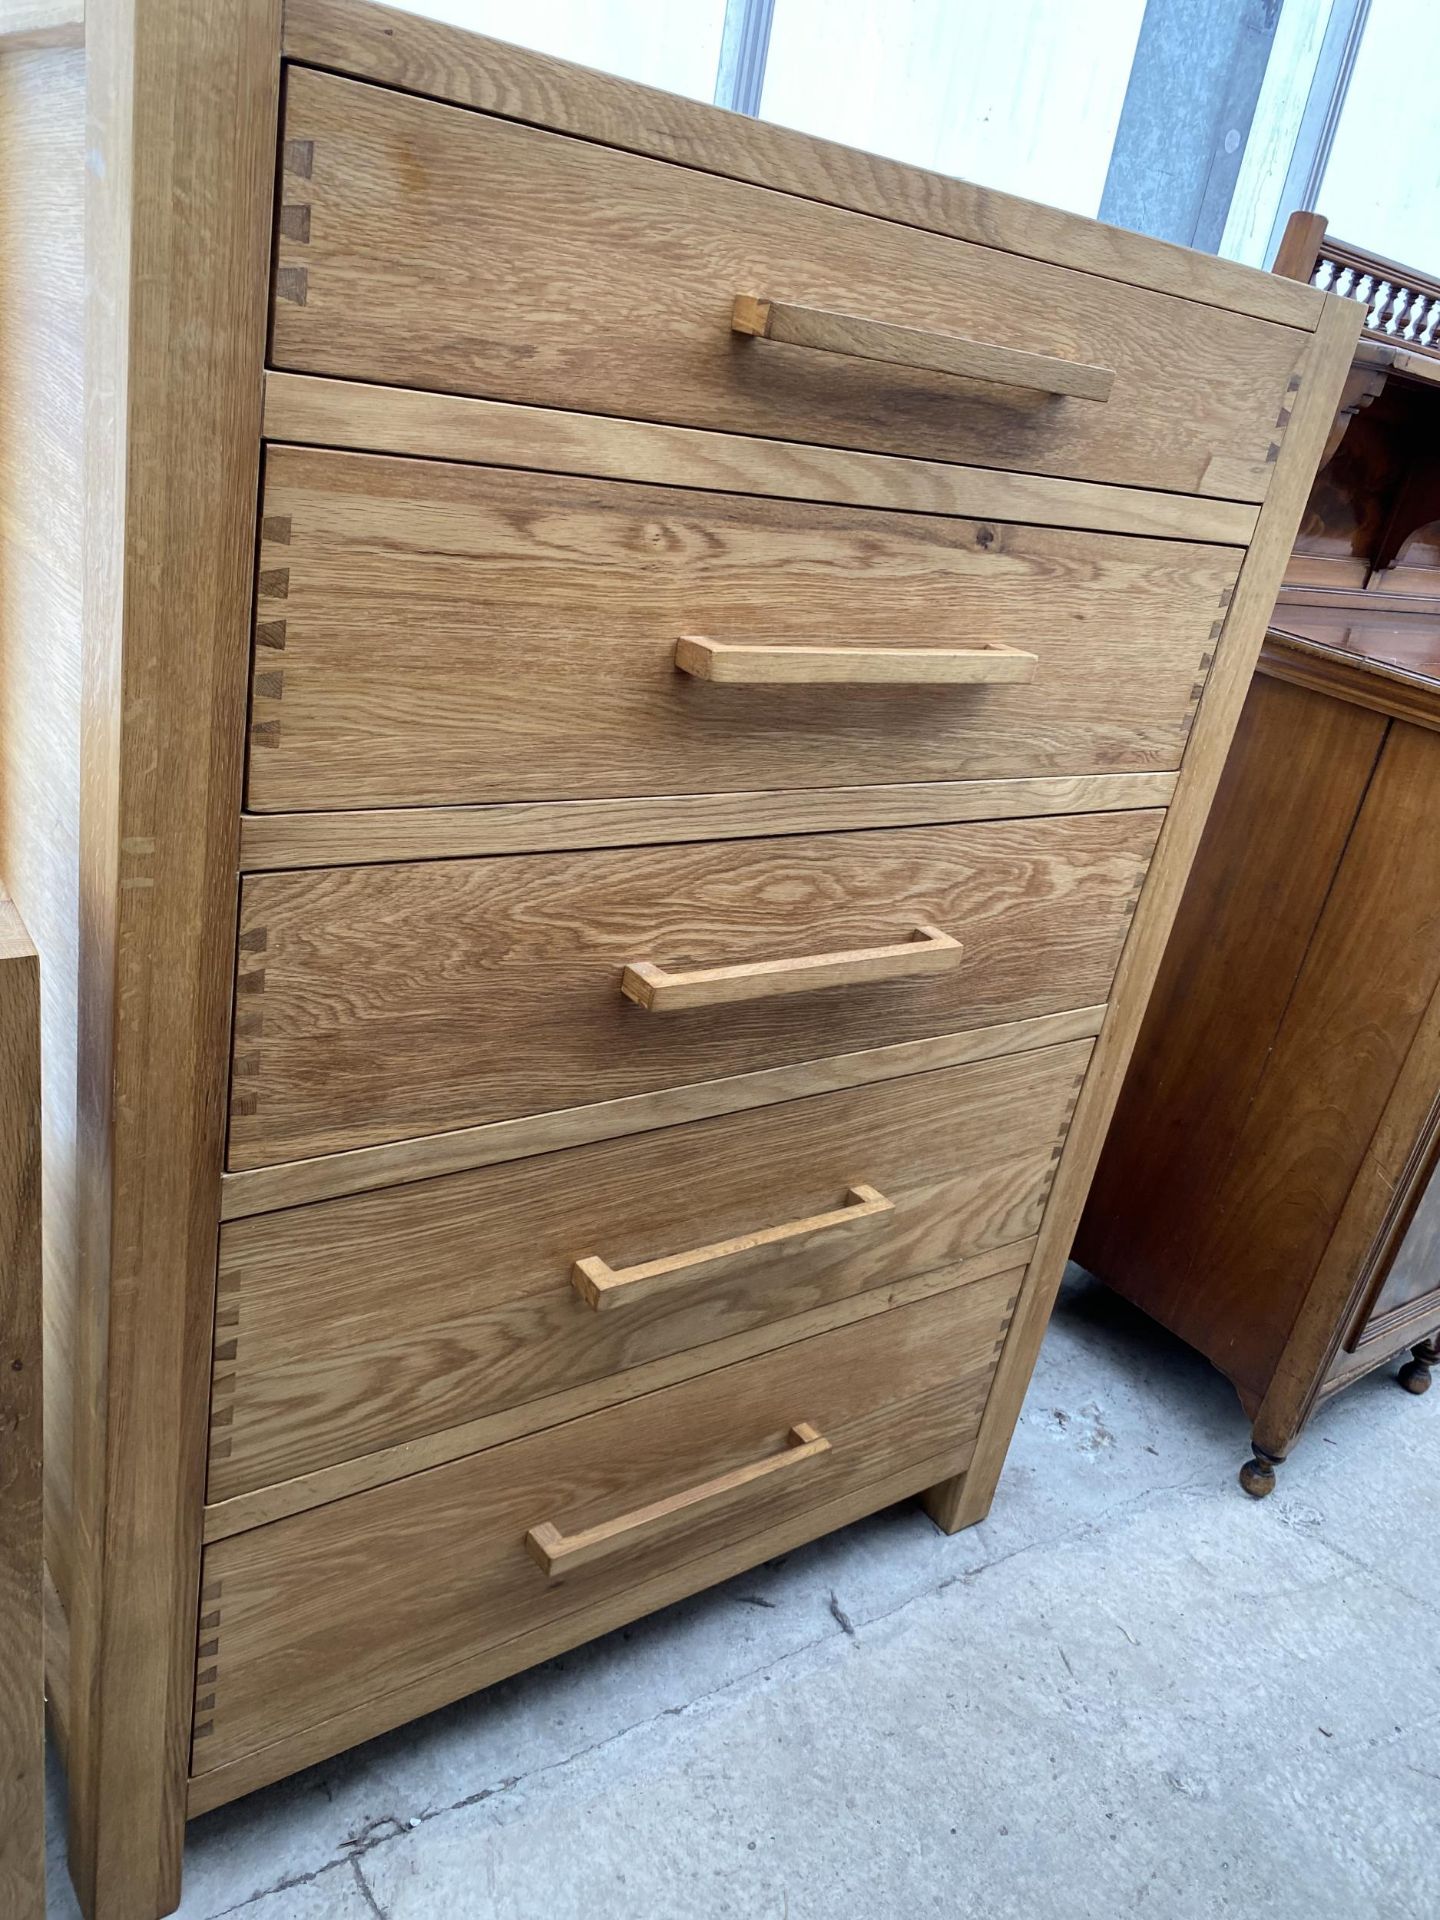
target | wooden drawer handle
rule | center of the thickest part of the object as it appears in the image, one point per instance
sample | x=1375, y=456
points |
x=928, y=950
x=600, y=1285
x=794, y=326
x=561, y=1553
x=747, y=663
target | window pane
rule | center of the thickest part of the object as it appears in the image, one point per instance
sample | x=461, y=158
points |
x=665, y=45
x=1381, y=187
x=1024, y=97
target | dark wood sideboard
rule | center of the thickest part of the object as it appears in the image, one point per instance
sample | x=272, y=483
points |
x=1270, y=1188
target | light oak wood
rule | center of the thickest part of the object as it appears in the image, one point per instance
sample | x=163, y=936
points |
x=358, y=1719
x=389, y=182
x=366, y=418
x=177, y=240
x=559, y=1554
x=746, y=663
x=42, y=355
x=380, y=836
x=814, y=327
x=322, y=1357
x=518, y=298
x=496, y=992
x=602, y=1286
x=1225, y=477
x=368, y=1595
x=424, y=56
x=296, y=1183
x=963, y=1501
x=239, y=1513
x=357, y=703
x=22, y=1659
x=928, y=950
x=57, y=1669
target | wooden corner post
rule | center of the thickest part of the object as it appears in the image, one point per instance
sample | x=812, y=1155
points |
x=182, y=102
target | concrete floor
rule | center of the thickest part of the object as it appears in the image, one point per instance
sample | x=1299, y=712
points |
x=1130, y=1690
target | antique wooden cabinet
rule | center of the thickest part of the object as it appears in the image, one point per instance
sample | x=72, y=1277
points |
x=22, y=1677
x=649, y=688
x=1269, y=1187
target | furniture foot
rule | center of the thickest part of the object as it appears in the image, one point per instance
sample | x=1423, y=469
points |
x=1257, y=1476
x=1414, y=1376
x=948, y=1507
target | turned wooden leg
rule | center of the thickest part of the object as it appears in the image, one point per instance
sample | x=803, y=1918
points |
x=1257, y=1476
x=1414, y=1376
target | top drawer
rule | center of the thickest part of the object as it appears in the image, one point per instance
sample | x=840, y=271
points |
x=432, y=246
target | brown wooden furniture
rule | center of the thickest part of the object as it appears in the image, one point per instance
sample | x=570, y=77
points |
x=658, y=833
x=22, y=1666
x=1269, y=1189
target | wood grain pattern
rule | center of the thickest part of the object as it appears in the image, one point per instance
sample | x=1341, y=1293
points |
x=42, y=351
x=1338, y=1305
x=177, y=222
x=390, y=184
x=365, y=418
x=543, y=664
x=961, y=1502
x=381, y=836
x=1410, y=1288
x=603, y=1287
x=658, y=989
x=1300, y=1063
x=1301, y=764
x=22, y=1670
x=1367, y=979
x=425, y=56
x=429, y=1156
x=494, y=992
x=1325, y=656
x=322, y=1485
x=360, y=1719
x=759, y=663
x=367, y=1595
x=321, y=1356
x=825, y=332
x=559, y=1554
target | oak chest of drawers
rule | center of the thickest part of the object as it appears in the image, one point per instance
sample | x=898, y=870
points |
x=650, y=686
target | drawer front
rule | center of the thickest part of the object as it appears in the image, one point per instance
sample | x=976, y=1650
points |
x=366, y=1596
x=425, y=245
x=364, y=1322
x=380, y=1003
x=429, y=634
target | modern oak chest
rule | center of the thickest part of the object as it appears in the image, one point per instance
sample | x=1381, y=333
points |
x=600, y=798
